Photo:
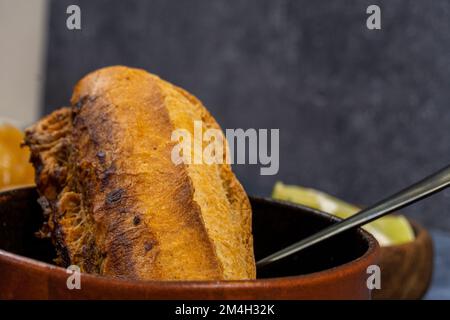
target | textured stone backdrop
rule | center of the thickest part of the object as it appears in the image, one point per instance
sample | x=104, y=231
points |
x=361, y=113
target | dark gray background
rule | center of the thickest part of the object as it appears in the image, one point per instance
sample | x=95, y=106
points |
x=361, y=113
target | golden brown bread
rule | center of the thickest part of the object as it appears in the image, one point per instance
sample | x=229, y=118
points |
x=116, y=203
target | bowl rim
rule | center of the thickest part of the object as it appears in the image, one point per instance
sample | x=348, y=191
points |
x=370, y=254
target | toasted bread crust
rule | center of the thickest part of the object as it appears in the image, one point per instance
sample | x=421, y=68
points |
x=116, y=203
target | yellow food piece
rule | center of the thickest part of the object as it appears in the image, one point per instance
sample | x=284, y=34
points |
x=388, y=230
x=15, y=170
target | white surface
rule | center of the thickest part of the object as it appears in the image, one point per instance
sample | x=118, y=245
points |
x=22, y=44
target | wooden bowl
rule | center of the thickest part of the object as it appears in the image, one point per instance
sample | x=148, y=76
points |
x=334, y=269
x=406, y=269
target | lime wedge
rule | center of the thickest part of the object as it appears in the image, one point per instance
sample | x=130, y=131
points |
x=388, y=230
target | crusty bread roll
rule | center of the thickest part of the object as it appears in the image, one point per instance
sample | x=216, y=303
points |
x=117, y=204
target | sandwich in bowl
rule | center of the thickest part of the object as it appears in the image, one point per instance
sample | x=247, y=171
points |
x=114, y=201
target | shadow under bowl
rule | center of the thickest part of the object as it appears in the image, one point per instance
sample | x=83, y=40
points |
x=333, y=269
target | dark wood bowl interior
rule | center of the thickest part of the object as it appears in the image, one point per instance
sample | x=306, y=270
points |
x=275, y=225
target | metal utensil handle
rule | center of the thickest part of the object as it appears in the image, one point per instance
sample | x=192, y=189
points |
x=424, y=188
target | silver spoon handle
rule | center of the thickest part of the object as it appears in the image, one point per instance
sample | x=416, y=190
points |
x=424, y=188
